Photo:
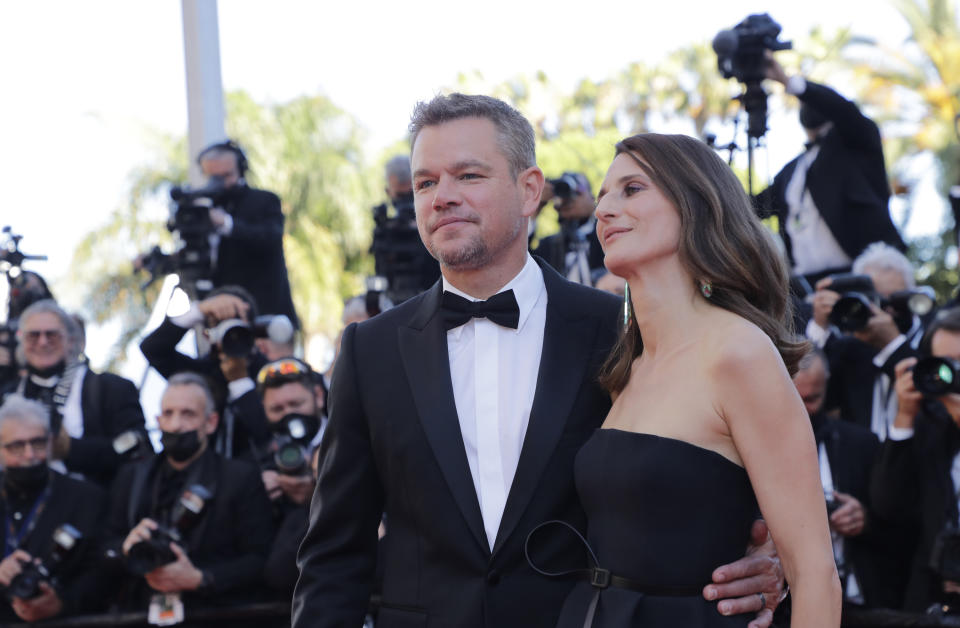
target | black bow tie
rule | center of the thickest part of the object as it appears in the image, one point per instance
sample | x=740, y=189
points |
x=501, y=309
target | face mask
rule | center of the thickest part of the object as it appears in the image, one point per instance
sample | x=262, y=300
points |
x=27, y=479
x=180, y=446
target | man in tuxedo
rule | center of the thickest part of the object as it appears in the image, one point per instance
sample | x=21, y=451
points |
x=831, y=201
x=458, y=413
x=250, y=229
x=88, y=410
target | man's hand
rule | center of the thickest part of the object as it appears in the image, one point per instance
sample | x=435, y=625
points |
x=180, y=575
x=218, y=217
x=271, y=484
x=753, y=584
x=850, y=518
x=881, y=329
x=823, y=301
x=10, y=567
x=139, y=533
x=233, y=368
x=773, y=70
x=222, y=307
x=297, y=488
x=45, y=605
x=908, y=397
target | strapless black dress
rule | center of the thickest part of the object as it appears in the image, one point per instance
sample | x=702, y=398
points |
x=663, y=514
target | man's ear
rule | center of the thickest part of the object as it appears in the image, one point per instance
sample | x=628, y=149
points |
x=531, y=186
x=210, y=425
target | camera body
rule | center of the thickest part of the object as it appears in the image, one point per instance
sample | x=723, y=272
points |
x=853, y=310
x=155, y=552
x=288, y=453
x=26, y=584
x=564, y=187
x=236, y=337
x=741, y=50
x=399, y=255
x=933, y=376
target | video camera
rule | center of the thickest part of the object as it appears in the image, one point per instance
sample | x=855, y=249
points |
x=190, y=222
x=399, y=255
x=146, y=556
x=26, y=584
x=289, y=447
x=853, y=310
x=741, y=54
x=236, y=337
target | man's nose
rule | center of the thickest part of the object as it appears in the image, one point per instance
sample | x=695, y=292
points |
x=445, y=193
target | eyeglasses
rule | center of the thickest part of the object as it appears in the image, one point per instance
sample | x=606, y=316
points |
x=17, y=447
x=285, y=370
x=52, y=335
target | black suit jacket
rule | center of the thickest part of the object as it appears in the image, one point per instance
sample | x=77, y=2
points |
x=230, y=540
x=81, y=504
x=393, y=445
x=847, y=180
x=252, y=255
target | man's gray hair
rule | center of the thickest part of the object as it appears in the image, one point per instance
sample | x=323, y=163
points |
x=399, y=167
x=882, y=256
x=49, y=306
x=810, y=359
x=193, y=379
x=516, y=135
x=19, y=408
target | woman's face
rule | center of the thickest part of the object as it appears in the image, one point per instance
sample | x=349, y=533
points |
x=636, y=224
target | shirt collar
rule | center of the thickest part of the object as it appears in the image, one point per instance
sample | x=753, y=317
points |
x=527, y=286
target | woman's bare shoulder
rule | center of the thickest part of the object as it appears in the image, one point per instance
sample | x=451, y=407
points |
x=739, y=346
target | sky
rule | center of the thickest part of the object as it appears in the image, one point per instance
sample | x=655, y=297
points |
x=87, y=83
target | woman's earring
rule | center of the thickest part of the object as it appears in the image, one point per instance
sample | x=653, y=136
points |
x=706, y=289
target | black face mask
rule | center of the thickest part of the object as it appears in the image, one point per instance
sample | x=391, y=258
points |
x=180, y=446
x=27, y=479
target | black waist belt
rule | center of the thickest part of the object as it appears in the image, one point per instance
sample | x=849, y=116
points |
x=601, y=578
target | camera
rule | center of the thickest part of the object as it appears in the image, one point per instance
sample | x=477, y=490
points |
x=853, y=310
x=565, y=187
x=146, y=556
x=132, y=445
x=26, y=584
x=289, y=447
x=398, y=253
x=236, y=337
x=936, y=376
x=945, y=555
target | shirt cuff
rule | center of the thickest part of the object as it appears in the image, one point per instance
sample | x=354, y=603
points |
x=796, y=85
x=239, y=387
x=227, y=227
x=899, y=433
x=817, y=334
x=188, y=319
x=884, y=354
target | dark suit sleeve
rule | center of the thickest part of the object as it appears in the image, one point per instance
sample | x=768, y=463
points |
x=160, y=350
x=338, y=554
x=251, y=520
x=857, y=130
x=894, y=486
x=119, y=411
x=249, y=413
x=258, y=223
x=82, y=582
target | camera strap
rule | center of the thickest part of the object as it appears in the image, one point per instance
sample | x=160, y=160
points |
x=14, y=540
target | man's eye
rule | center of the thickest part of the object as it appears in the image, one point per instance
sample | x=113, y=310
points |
x=421, y=185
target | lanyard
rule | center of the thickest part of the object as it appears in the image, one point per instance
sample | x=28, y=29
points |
x=13, y=540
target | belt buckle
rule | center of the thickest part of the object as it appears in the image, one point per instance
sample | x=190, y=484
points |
x=600, y=577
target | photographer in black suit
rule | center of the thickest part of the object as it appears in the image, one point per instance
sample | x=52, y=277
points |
x=917, y=477
x=250, y=230
x=88, y=410
x=831, y=201
x=36, y=502
x=194, y=526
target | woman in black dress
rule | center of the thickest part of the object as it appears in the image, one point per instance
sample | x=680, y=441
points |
x=706, y=423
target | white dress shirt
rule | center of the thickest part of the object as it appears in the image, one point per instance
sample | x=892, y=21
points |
x=493, y=389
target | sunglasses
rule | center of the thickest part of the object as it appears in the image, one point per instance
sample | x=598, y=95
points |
x=285, y=370
x=34, y=335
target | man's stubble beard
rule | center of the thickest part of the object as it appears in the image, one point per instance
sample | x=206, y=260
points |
x=475, y=254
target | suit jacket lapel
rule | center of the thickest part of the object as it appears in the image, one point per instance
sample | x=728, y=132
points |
x=423, y=347
x=566, y=348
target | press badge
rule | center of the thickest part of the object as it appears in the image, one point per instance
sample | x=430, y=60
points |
x=166, y=609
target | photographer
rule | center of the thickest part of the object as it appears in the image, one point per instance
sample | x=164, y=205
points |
x=574, y=252
x=193, y=524
x=290, y=392
x=44, y=572
x=88, y=410
x=399, y=254
x=831, y=201
x=244, y=424
x=24, y=290
x=249, y=224
x=917, y=477
x=863, y=358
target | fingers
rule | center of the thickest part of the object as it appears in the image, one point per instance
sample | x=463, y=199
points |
x=904, y=365
x=747, y=604
x=759, y=533
x=763, y=620
x=746, y=568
